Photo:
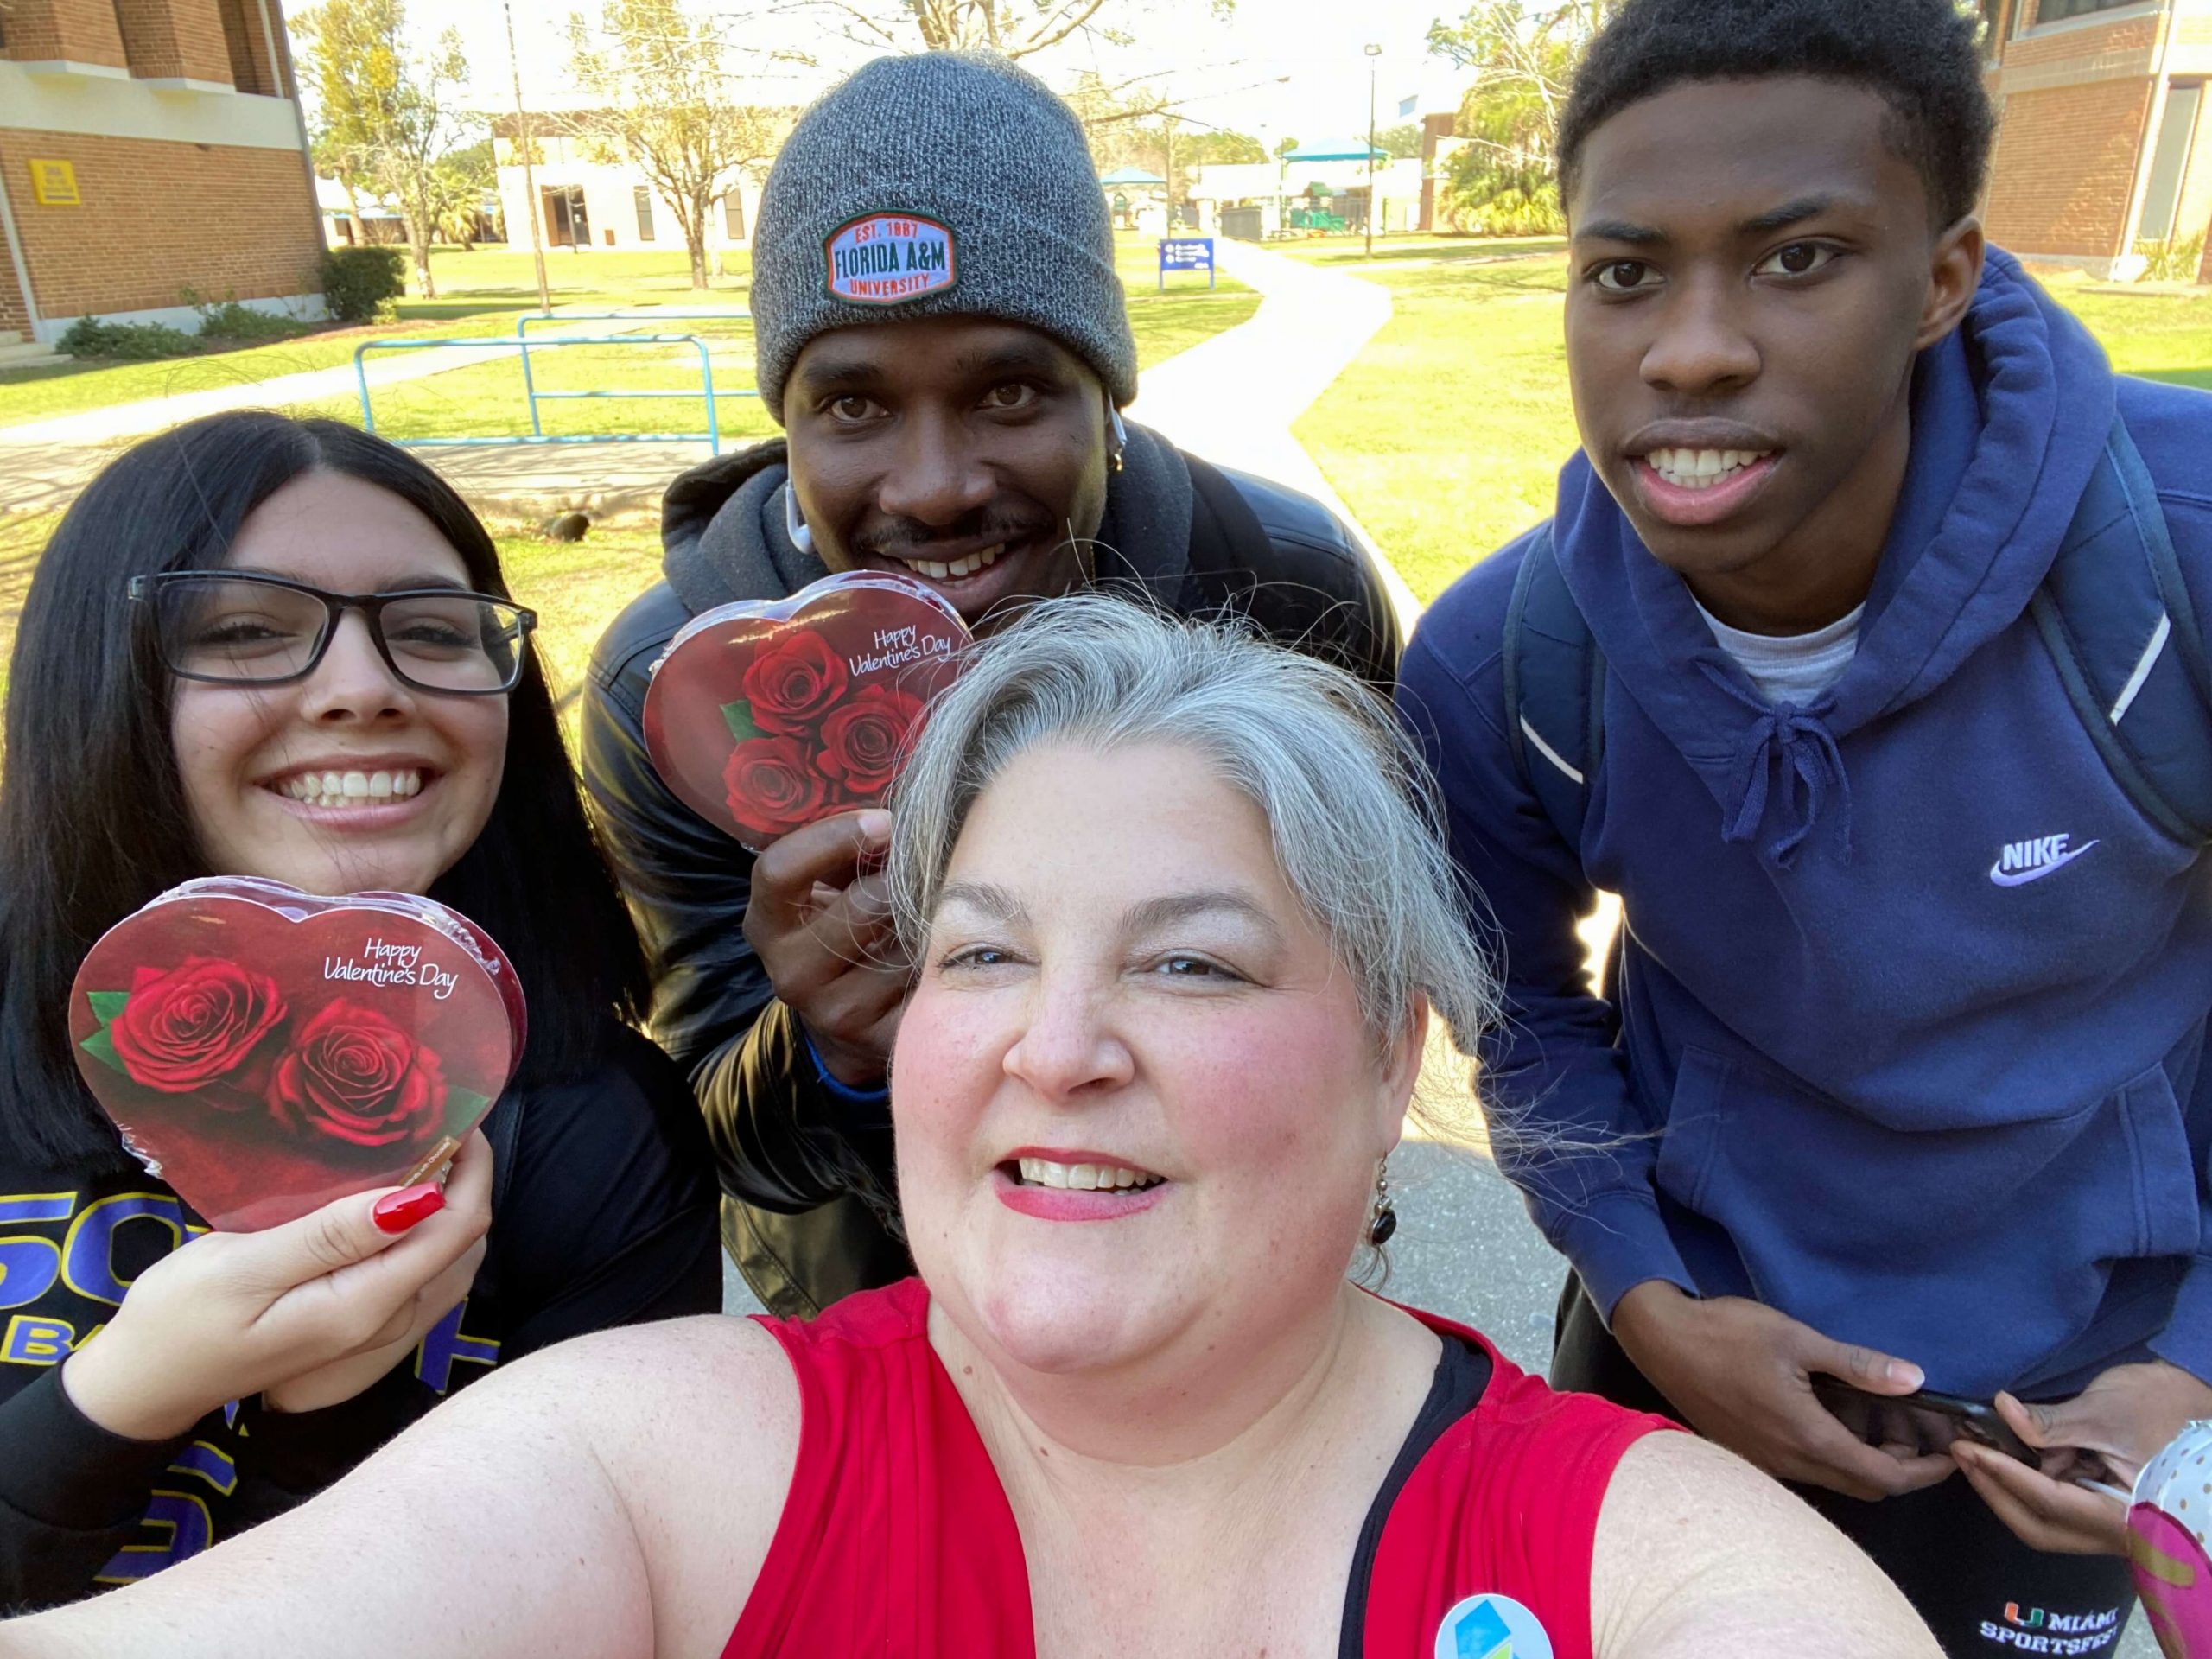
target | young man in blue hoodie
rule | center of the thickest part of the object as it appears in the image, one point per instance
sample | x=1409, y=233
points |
x=1898, y=1077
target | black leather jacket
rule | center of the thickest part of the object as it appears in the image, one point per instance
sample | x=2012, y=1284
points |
x=810, y=1210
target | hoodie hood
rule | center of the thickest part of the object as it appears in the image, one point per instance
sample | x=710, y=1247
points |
x=2009, y=414
x=725, y=536
x=722, y=535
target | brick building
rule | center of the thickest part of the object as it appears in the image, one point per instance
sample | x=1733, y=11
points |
x=2106, y=142
x=148, y=146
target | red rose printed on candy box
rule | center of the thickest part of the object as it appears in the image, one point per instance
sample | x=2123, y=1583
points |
x=765, y=717
x=863, y=739
x=774, y=783
x=264, y=1051
x=353, y=1075
x=793, y=684
x=197, y=1024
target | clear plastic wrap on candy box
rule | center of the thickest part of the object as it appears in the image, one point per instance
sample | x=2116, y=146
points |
x=764, y=716
x=2167, y=1519
x=265, y=1051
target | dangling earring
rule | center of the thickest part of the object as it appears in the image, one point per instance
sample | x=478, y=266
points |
x=1384, y=1222
x=1121, y=437
x=795, y=526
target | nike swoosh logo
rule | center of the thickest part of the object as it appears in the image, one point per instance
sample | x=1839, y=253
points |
x=2005, y=878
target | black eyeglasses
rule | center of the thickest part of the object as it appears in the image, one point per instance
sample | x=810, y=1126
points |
x=233, y=629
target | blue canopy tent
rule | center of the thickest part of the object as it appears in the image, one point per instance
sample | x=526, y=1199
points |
x=1352, y=150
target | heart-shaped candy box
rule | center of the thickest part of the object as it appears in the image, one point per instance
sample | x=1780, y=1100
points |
x=764, y=716
x=264, y=1050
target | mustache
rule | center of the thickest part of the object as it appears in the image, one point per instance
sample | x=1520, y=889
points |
x=904, y=538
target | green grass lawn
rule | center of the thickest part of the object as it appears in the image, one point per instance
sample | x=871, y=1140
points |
x=1445, y=435
x=481, y=294
x=478, y=294
x=2162, y=331
x=1410, y=247
x=487, y=399
x=576, y=588
x=67, y=388
x=22, y=538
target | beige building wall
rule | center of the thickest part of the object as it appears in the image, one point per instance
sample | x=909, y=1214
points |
x=610, y=199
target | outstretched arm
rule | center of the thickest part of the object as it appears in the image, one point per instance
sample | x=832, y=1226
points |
x=1697, y=1553
x=614, y=1496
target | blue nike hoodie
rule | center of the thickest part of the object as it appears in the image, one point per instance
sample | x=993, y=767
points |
x=1840, y=1068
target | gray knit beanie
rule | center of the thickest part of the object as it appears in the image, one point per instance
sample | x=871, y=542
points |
x=950, y=183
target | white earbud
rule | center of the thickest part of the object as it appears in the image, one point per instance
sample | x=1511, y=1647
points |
x=795, y=526
x=1121, y=432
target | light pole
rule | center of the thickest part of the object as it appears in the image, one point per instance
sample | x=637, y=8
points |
x=529, y=173
x=1169, y=123
x=1373, y=53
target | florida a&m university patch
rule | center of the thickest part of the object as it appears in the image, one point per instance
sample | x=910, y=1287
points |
x=889, y=258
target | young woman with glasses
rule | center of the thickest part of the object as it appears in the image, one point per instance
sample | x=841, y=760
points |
x=268, y=647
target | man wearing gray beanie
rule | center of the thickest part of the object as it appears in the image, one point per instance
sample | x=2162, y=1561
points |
x=941, y=333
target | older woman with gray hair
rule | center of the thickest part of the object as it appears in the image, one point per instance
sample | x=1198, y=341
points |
x=1182, y=919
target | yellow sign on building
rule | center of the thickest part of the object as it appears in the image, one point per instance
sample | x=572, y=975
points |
x=54, y=184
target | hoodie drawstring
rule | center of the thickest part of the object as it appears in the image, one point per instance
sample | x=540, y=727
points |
x=1793, y=747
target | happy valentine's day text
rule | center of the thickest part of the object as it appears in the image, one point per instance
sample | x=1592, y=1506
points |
x=393, y=964
x=896, y=647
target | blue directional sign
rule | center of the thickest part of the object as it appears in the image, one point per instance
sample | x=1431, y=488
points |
x=1186, y=253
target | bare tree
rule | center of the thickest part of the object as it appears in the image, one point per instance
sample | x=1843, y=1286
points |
x=1524, y=56
x=1019, y=29
x=389, y=115
x=657, y=70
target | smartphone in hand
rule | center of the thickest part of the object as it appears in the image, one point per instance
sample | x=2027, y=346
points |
x=1976, y=1418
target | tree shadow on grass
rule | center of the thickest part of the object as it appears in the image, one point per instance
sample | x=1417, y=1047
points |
x=23, y=538
x=447, y=306
x=1474, y=250
x=41, y=371
x=2199, y=378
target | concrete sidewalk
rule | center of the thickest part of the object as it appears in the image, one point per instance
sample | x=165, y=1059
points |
x=119, y=421
x=1233, y=398
x=44, y=463
x=528, y=480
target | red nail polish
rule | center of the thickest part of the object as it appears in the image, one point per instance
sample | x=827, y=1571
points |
x=396, y=1211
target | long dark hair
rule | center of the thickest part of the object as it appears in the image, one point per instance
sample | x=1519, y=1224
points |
x=93, y=815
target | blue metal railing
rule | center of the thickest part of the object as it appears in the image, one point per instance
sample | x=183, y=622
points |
x=655, y=315
x=521, y=345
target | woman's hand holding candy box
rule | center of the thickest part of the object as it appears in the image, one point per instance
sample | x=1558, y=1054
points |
x=306, y=1314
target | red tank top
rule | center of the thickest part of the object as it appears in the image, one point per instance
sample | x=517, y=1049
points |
x=897, y=1541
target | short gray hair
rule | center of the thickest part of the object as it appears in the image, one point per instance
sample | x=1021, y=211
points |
x=1349, y=805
